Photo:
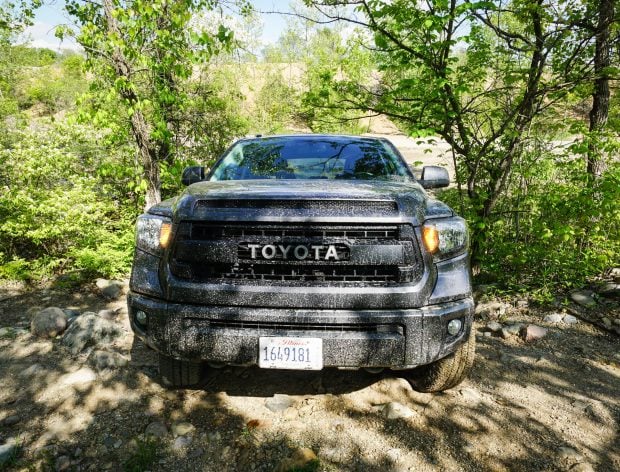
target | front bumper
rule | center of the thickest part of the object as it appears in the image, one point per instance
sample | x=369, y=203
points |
x=351, y=338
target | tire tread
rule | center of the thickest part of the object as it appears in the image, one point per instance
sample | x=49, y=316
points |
x=448, y=372
x=177, y=374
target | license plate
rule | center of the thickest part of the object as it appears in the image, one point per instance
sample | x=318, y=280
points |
x=290, y=353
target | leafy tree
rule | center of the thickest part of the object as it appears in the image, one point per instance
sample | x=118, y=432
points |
x=479, y=74
x=14, y=17
x=599, y=114
x=50, y=82
x=331, y=59
x=289, y=48
x=144, y=52
x=277, y=103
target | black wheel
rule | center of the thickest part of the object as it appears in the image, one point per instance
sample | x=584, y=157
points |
x=447, y=372
x=177, y=374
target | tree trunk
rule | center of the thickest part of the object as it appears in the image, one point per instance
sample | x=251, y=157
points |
x=148, y=158
x=147, y=149
x=600, y=97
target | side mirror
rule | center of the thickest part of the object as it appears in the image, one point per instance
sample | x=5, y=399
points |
x=434, y=177
x=193, y=174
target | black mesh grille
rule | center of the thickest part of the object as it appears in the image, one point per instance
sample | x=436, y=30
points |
x=356, y=207
x=205, y=231
x=321, y=270
x=300, y=273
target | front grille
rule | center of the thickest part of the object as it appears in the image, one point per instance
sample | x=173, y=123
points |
x=207, y=231
x=300, y=273
x=354, y=207
x=229, y=258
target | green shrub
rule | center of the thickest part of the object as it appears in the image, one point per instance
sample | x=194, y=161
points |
x=55, y=213
x=553, y=231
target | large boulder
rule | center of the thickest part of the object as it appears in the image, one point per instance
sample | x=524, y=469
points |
x=49, y=322
x=90, y=330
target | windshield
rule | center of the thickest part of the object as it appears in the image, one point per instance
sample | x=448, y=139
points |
x=311, y=158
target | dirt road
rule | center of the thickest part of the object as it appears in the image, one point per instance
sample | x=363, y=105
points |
x=548, y=405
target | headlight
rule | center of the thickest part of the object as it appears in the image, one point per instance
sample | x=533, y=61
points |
x=445, y=237
x=153, y=233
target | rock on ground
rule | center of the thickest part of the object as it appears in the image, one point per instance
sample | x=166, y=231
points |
x=491, y=310
x=554, y=318
x=582, y=467
x=584, y=298
x=89, y=330
x=111, y=289
x=182, y=428
x=278, y=402
x=8, y=452
x=570, y=320
x=49, y=322
x=511, y=330
x=181, y=442
x=108, y=360
x=609, y=289
x=10, y=420
x=156, y=429
x=494, y=326
x=395, y=410
x=533, y=333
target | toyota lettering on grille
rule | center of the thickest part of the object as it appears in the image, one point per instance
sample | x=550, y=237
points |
x=319, y=252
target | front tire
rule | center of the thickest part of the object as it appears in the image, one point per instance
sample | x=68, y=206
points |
x=179, y=374
x=448, y=372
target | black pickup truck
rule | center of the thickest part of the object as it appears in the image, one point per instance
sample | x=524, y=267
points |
x=305, y=252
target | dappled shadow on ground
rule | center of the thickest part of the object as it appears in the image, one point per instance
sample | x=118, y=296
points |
x=255, y=382
x=522, y=403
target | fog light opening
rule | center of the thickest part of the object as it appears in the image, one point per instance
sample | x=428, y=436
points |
x=454, y=327
x=141, y=317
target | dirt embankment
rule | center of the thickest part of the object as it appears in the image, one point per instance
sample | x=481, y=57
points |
x=547, y=405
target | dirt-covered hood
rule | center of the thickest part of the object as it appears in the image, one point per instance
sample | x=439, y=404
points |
x=303, y=200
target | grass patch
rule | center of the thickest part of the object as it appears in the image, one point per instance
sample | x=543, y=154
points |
x=11, y=459
x=145, y=453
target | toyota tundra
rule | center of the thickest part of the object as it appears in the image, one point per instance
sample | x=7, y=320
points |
x=306, y=252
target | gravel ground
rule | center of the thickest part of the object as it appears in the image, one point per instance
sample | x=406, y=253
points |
x=552, y=404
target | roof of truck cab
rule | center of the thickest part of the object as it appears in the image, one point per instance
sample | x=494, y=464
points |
x=339, y=137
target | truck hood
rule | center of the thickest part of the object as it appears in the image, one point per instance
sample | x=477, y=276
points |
x=303, y=200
